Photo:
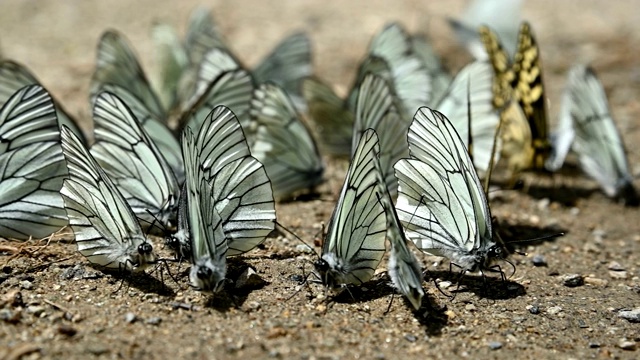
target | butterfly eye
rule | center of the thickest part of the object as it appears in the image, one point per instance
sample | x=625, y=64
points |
x=321, y=265
x=145, y=248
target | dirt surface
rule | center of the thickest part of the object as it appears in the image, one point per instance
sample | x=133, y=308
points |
x=54, y=305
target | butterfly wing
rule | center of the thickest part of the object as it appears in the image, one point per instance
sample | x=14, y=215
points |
x=14, y=76
x=440, y=199
x=333, y=120
x=473, y=83
x=283, y=144
x=528, y=89
x=376, y=109
x=173, y=63
x=354, y=244
x=287, y=65
x=411, y=80
x=221, y=81
x=134, y=163
x=242, y=190
x=440, y=77
x=106, y=230
x=32, y=166
x=597, y=142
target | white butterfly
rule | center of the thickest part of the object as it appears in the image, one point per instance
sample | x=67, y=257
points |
x=440, y=77
x=441, y=202
x=133, y=162
x=587, y=128
x=15, y=76
x=283, y=143
x=106, y=231
x=473, y=88
x=376, y=108
x=241, y=189
x=119, y=72
x=207, y=241
x=403, y=268
x=355, y=241
x=32, y=166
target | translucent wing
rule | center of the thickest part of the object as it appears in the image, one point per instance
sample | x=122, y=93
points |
x=242, y=190
x=202, y=35
x=334, y=121
x=283, y=143
x=473, y=83
x=376, y=109
x=403, y=267
x=173, y=62
x=14, y=76
x=106, y=230
x=134, y=163
x=119, y=72
x=32, y=166
x=440, y=199
x=221, y=81
x=354, y=244
x=411, y=80
x=440, y=77
x=287, y=65
x=597, y=142
x=208, y=242
x=118, y=65
x=161, y=135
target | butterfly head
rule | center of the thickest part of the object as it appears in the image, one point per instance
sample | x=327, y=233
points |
x=144, y=256
x=207, y=275
x=179, y=243
x=331, y=271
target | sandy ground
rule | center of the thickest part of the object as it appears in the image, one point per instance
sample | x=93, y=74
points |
x=55, y=306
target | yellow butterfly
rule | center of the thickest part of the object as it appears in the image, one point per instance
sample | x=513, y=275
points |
x=524, y=134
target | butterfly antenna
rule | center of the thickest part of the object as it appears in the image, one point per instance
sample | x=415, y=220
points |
x=494, y=149
x=154, y=222
x=469, y=134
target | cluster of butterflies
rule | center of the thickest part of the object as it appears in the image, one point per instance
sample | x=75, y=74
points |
x=204, y=157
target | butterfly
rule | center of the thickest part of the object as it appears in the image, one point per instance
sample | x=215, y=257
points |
x=440, y=77
x=242, y=195
x=283, y=143
x=403, y=267
x=587, y=128
x=32, y=166
x=286, y=65
x=441, y=202
x=106, y=230
x=376, y=108
x=119, y=72
x=391, y=57
x=355, y=241
x=14, y=76
x=133, y=162
x=472, y=89
x=520, y=81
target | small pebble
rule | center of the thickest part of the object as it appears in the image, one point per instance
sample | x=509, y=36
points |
x=470, y=307
x=594, y=345
x=130, y=318
x=595, y=281
x=444, y=284
x=627, y=345
x=12, y=317
x=573, y=280
x=615, y=266
x=36, y=310
x=534, y=309
x=410, y=338
x=574, y=211
x=249, y=279
x=304, y=249
x=554, y=310
x=154, y=320
x=539, y=260
x=630, y=315
x=618, y=274
x=7, y=269
x=495, y=345
x=26, y=284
